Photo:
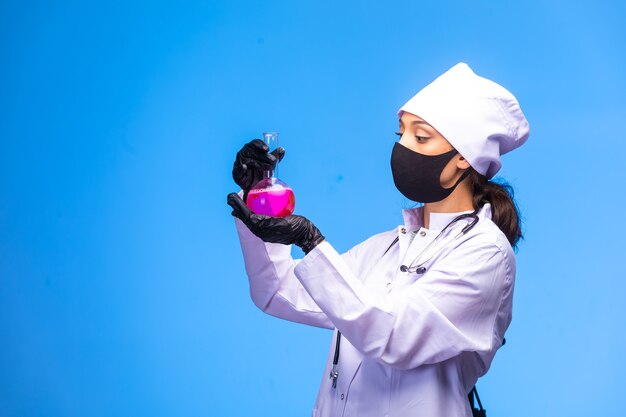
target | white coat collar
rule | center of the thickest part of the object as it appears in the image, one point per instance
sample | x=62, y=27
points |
x=413, y=218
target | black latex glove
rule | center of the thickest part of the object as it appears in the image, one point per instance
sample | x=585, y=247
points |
x=297, y=230
x=252, y=161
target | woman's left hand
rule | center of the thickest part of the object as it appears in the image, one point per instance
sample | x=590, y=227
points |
x=297, y=230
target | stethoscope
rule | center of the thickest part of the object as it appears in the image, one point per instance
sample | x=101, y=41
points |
x=418, y=269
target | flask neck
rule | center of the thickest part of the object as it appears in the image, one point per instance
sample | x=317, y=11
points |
x=270, y=174
x=271, y=140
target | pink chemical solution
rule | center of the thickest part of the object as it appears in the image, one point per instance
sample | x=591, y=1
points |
x=271, y=197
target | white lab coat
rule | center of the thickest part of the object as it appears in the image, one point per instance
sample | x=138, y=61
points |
x=412, y=345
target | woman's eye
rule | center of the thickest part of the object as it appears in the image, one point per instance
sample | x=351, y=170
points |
x=421, y=139
x=399, y=134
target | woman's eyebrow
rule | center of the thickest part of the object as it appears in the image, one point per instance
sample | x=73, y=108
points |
x=415, y=122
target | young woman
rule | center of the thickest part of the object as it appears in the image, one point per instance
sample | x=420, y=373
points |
x=419, y=311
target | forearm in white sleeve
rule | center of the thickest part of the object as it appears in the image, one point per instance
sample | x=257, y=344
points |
x=463, y=306
x=274, y=287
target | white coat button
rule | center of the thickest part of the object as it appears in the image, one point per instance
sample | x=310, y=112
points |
x=422, y=233
x=342, y=396
x=403, y=230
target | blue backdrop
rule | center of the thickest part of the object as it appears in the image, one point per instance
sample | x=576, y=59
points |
x=122, y=286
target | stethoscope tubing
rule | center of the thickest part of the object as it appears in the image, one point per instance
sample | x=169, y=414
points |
x=420, y=268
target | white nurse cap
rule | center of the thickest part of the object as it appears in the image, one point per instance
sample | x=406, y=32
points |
x=480, y=118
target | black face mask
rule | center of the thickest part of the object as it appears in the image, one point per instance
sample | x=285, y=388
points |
x=417, y=176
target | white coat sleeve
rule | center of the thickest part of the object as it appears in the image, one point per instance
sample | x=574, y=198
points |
x=274, y=287
x=461, y=305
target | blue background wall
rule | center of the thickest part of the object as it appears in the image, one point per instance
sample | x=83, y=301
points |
x=122, y=288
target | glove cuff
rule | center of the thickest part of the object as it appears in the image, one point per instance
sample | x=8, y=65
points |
x=308, y=246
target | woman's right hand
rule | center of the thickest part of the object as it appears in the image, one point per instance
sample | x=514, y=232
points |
x=252, y=161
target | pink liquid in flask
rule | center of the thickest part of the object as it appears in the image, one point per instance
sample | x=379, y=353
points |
x=271, y=197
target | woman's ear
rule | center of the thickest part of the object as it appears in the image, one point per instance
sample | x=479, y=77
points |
x=462, y=163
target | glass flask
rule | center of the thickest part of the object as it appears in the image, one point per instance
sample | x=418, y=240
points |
x=271, y=196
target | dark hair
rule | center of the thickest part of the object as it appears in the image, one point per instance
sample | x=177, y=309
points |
x=504, y=212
